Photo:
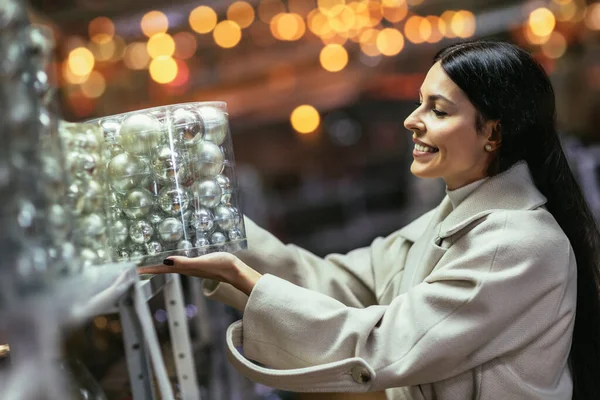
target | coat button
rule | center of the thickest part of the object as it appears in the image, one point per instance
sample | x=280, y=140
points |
x=360, y=374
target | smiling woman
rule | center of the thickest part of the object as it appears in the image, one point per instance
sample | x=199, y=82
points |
x=491, y=295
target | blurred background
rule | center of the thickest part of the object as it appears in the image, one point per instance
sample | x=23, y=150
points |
x=317, y=92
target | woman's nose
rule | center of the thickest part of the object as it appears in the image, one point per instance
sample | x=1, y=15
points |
x=413, y=122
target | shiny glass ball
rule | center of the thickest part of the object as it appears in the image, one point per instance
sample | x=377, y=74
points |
x=235, y=234
x=218, y=238
x=155, y=217
x=140, y=134
x=206, y=193
x=153, y=248
x=138, y=203
x=93, y=197
x=92, y=225
x=126, y=172
x=225, y=217
x=173, y=201
x=187, y=128
x=110, y=127
x=201, y=241
x=184, y=245
x=140, y=232
x=170, y=230
x=168, y=165
x=208, y=159
x=204, y=220
x=215, y=124
x=119, y=231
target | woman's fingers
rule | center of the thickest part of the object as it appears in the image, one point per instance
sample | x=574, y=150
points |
x=208, y=266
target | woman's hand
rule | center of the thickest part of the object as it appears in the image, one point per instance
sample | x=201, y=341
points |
x=222, y=267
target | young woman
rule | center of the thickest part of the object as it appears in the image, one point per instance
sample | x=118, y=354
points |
x=491, y=295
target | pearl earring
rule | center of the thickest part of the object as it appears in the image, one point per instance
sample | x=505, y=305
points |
x=488, y=147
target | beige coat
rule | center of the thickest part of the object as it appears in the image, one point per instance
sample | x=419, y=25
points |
x=477, y=305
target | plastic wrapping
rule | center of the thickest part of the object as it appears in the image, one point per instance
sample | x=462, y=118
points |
x=173, y=188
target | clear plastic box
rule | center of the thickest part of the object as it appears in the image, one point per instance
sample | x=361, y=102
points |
x=172, y=183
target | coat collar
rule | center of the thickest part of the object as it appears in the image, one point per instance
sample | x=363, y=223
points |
x=512, y=189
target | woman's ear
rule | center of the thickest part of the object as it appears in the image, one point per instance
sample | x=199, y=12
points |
x=493, y=132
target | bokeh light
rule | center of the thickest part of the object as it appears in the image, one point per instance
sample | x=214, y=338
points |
x=70, y=77
x=101, y=30
x=103, y=51
x=241, y=13
x=160, y=44
x=136, y=56
x=81, y=61
x=318, y=23
x=555, y=47
x=333, y=57
x=305, y=119
x=438, y=29
x=300, y=7
x=592, y=16
x=287, y=26
x=413, y=29
x=183, y=74
x=185, y=45
x=94, y=86
x=541, y=22
x=154, y=22
x=368, y=42
x=163, y=69
x=463, y=24
x=394, y=10
x=202, y=19
x=446, y=19
x=227, y=34
x=390, y=41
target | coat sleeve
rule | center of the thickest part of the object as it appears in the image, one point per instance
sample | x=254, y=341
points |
x=501, y=288
x=353, y=279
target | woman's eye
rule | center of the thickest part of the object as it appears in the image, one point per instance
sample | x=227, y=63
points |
x=439, y=113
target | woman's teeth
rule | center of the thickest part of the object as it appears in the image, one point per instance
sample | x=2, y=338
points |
x=420, y=147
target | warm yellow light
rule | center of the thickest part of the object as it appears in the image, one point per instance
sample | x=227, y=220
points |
x=288, y=26
x=390, y=42
x=425, y=29
x=592, y=16
x=555, y=47
x=446, y=19
x=203, y=19
x=394, y=10
x=154, y=22
x=136, y=56
x=562, y=2
x=541, y=21
x=267, y=9
x=412, y=29
x=241, y=13
x=81, y=61
x=414, y=2
x=330, y=7
x=335, y=38
x=362, y=18
x=101, y=30
x=532, y=38
x=119, y=48
x=102, y=51
x=185, y=45
x=161, y=44
x=333, y=57
x=438, y=29
x=375, y=13
x=305, y=119
x=343, y=20
x=70, y=77
x=163, y=69
x=101, y=322
x=566, y=12
x=318, y=23
x=95, y=85
x=463, y=24
x=227, y=34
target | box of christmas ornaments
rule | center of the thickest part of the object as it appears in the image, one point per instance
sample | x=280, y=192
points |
x=171, y=184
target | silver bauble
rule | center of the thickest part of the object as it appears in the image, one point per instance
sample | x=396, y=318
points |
x=88, y=257
x=92, y=225
x=88, y=142
x=93, y=197
x=187, y=128
x=140, y=232
x=168, y=165
x=153, y=248
x=206, y=193
x=215, y=124
x=126, y=172
x=184, y=245
x=137, y=253
x=235, y=234
x=188, y=218
x=207, y=159
x=173, y=201
x=155, y=217
x=119, y=231
x=59, y=219
x=204, y=220
x=225, y=217
x=202, y=241
x=113, y=200
x=140, y=134
x=170, y=230
x=225, y=184
x=218, y=238
x=138, y=203
x=115, y=213
x=80, y=165
x=110, y=127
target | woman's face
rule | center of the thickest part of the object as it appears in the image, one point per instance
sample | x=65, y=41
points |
x=447, y=144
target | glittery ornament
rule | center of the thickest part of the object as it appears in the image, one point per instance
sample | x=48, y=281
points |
x=92, y=225
x=208, y=159
x=206, y=193
x=235, y=234
x=170, y=230
x=204, y=220
x=80, y=165
x=184, y=245
x=201, y=241
x=226, y=188
x=140, y=134
x=119, y=231
x=126, y=172
x=110, y=127
x=188, y=218
x=173, y=200
x=215, y=124
x=218, y=239
x=225, y=217
x=137, y=253
x=153, y=248
x=168, y=165
x=87, y=142
x=138, y=203
x=115, y=213
x=88, y=257
x=140, y=232
x=186, y=126
x=93, y=197
x=155, y=217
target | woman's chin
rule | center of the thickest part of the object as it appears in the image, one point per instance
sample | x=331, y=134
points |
x=422, y=171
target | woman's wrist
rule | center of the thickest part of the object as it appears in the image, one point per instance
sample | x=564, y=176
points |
x=243, y=277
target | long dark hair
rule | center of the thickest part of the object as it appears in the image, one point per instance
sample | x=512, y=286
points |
x=505, y=83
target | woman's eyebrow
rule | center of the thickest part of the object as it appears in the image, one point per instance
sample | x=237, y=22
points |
x=434, y=97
